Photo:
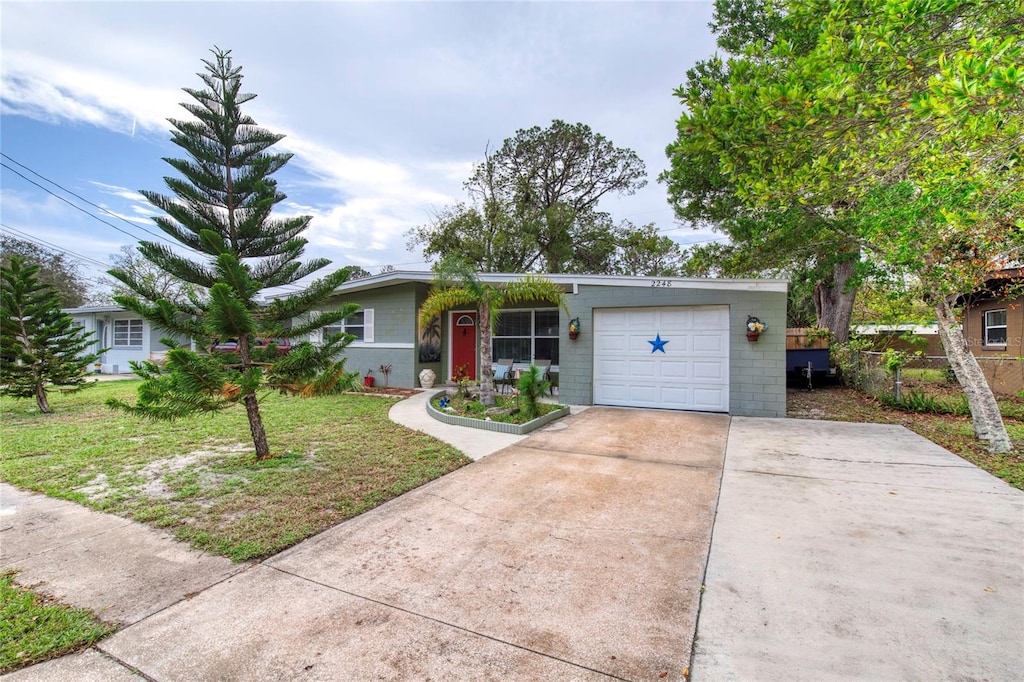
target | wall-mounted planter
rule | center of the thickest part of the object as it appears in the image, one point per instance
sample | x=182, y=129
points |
x=753, y=336
x=500, y=427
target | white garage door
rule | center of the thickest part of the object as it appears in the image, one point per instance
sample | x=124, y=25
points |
x=675, y=358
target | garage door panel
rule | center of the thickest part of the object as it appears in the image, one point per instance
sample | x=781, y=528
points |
x=611, y=370
x=675, y=320
x=642, y=369
x=711, y=318
x=611, y=343
x=714, y=371
x=709, y=343
x=692, y=373
x=636, y=319
x=675, y=370
x=707, y=399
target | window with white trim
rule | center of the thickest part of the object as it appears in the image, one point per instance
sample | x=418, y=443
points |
x=526, y=336
x=994, y=328
x=359, y=325
x=128, y=333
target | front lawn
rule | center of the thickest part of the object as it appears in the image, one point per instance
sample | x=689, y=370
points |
x=951, y=431
x=338, y=457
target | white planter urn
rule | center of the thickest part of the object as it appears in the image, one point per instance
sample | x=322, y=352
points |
x=427, y=378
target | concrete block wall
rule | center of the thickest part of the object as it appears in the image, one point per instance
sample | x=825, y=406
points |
x=756, y=370
x=394, y=335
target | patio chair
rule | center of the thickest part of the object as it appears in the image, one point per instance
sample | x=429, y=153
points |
x=503, y=374
x=546, y=366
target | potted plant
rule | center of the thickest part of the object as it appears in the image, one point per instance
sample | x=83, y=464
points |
x=385, y=369
x=754, y=328
x=368, y=379
x=574, y=328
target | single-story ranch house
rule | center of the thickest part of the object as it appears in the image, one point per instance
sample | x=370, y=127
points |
x=672, y=343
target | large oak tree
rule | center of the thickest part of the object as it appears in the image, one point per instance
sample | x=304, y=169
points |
x=534, y=207
x=906, y=121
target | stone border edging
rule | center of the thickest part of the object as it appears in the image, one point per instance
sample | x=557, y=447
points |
x=500, y=427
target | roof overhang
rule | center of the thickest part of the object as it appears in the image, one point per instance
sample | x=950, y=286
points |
x=570, y=282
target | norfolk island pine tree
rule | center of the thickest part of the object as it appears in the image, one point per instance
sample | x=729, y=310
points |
x=220, y=209
x=41, y=347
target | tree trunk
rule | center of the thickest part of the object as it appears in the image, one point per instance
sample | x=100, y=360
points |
x=988, y=422
x=259, y=434
x=833, y=304
x=41, y=400
x=486, y=370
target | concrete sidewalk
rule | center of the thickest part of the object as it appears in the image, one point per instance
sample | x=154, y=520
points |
x=859, y=552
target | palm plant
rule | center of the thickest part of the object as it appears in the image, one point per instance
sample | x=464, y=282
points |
x=456, y=284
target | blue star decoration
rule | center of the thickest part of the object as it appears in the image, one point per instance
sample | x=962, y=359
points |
x=658, y=343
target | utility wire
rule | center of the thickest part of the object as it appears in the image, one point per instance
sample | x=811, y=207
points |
x=36, y=240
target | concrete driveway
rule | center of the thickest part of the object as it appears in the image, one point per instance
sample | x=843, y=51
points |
x=576, y=554
x=860, y=552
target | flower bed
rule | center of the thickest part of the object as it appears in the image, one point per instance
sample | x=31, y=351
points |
x=470, y=413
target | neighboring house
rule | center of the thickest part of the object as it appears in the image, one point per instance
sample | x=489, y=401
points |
x=126, y=335
x=994, y=329
x=645, y=342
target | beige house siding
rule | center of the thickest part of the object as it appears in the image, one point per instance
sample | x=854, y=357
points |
x=1002, y=364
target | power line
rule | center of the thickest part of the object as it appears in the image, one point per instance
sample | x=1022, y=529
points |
x=79, y=208
x=36, y=240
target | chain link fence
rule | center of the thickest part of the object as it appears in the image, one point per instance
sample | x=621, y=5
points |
x=877, y=375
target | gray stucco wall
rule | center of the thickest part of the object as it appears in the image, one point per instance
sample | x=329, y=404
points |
x=756, y=370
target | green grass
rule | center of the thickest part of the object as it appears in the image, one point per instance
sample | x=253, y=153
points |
x=34, y=628
x=337, y=457
x=927, y=374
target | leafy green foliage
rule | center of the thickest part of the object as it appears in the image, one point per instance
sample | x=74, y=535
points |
x=902, y=123
x=532, y=387
x=221, y=208
x=534, y=208
x=918, y=401
x=799, y=240
x=41, y=348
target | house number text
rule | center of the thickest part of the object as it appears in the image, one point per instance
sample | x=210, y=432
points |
x=661, y=282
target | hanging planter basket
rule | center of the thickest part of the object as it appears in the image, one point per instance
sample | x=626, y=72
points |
x=753, y=336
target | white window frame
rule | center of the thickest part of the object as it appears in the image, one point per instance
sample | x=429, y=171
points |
x=129, y=333
x=533, y=336
x=986, y=327
x=344, y=326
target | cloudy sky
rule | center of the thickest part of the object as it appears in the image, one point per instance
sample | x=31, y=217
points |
x=386, y=106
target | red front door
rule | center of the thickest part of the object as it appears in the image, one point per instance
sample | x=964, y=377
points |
x=464, y=343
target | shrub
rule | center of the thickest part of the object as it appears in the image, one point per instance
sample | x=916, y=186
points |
x=919, y=401
x=532, y=387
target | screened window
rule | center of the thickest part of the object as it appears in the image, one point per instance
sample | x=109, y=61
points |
x=128, y=333
x=526, y=336
x=995, y=328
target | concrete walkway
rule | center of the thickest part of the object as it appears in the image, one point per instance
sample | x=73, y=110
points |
x=475, y=443
x=860, y=552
